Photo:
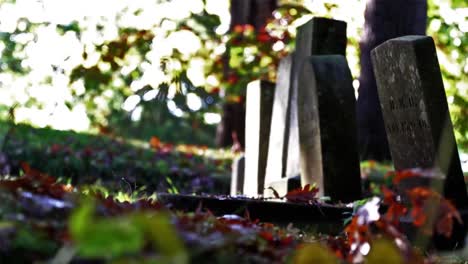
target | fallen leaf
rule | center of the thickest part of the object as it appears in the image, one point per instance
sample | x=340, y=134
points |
x=303, y=195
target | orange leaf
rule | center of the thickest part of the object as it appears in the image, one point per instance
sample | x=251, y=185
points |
x=155, y=142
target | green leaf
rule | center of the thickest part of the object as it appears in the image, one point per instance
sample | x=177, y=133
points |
x=165, y=238
x=29, y=239
x=104, y=237
x=113, y=237
x=73, y=26
x=209, y=21
x=459, y=4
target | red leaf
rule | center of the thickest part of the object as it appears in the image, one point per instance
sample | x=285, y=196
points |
x=444, y=223
x=398, y=176
x=395, y=209
x=263, y=37
x=419, y=216
x=302, y=195
x=37, y=182
x=395, y=212
x=388, y=195
x=215, y=90
x=422, y=199
x=287, y=240
x=55, y=148
x=266, y=235
x=233, y=78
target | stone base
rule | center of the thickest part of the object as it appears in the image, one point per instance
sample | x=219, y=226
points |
x=322, y=218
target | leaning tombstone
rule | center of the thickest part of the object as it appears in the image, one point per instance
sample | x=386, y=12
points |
x=257, y=131
x=237, y=176
x=415, y=111
x=327, y=128
x=319, y=36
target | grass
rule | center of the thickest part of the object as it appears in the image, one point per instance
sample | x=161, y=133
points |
x=116, y=163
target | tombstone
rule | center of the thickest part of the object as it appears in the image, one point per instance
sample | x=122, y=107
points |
x=327, y=128
x=257, y=127
x=415, y=111
x=237, y=176
x=279, y=132
x=319, y=36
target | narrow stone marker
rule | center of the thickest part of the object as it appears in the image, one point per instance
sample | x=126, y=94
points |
x=279, y=132
x=319, y=36
x=257, y=131
x=415, y=111
x=237, y=176
x=327, y=128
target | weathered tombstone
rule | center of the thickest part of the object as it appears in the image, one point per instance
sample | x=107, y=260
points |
x=327, y=128
x=319, y=36
x=257, y=127
x=237, y=176
x=279, y=132
x=415, y=111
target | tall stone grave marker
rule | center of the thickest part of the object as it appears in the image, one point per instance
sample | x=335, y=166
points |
x=279, y=132
x=327, y=128
x=415, y=110
x=237, y=176
x=257, y=127
x=319, y=36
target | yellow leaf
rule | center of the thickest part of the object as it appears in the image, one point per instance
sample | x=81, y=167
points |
x=384, y=251
x=314, y=253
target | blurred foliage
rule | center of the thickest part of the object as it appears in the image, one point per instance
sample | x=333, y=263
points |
x=119, y=236
x=114, y=164
x=451, y=41
x=116, y=71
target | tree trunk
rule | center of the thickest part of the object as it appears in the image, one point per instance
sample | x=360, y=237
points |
x=384, y=20
x=231, y=129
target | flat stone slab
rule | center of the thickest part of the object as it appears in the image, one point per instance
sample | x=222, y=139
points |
x=265, y=211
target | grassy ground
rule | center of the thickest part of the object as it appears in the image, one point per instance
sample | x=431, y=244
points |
x=115, y=163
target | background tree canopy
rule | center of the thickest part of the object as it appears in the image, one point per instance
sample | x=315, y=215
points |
x=140, y=68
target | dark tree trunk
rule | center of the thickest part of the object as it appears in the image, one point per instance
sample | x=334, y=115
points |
x=384, y=20
x=231, y=129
